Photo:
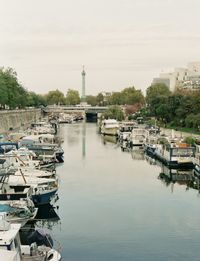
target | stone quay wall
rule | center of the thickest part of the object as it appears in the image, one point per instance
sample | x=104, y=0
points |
x=16, y=119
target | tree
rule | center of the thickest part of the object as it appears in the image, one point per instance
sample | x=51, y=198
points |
x=55, y=97
x=114, y=112
x=92, y=100
x=72, y=97
x=131, y=96
x=115, y=98
x=35, y=100
x=13, y=93
x=158, y=89
x=100, y=99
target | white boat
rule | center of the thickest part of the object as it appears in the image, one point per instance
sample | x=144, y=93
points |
x=8, y=255
x=43, y=189
x=31, y=172
x=65, y=118
x=18, y=211
x=24, y=157
x=125, y=130
x=11, y=248
x=43, y=127
x=138, y=137
x=110, y=127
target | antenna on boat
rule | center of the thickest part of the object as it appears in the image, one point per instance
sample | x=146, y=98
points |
x=23, y=176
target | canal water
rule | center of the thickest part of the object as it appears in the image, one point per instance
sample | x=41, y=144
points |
x=115, y=205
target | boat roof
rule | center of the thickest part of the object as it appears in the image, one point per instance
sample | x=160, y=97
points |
x=18, y=180
x=8, y=255
x=31, y=137
x=8, y=233
x=110, y=121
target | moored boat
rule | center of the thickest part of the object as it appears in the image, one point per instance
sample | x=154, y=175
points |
x=110, y=127
x=40, y=247
x=176, y=155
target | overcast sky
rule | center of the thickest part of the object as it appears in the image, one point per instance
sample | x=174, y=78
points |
x=121, y=42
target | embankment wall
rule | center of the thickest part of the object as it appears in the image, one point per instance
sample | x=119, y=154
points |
x=15, y=119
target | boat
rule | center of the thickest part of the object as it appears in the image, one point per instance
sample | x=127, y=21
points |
x=36, y=144
x=18, y=211
x=196, y=159
x=138, y=137
x=31, y=172
x=65, y=118
x=175, y=155
x=43, y=127
x=23, y=157
x=40, y=247
x=125, y=130
x=150, y=145
x=43, y=189
x=110, y=127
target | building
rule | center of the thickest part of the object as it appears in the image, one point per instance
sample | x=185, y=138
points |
x=186, y=78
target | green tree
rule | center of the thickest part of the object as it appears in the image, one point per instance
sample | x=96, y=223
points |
x=158, y=89
x=35, y=100
x=72, y=97
x=100, y=99
x=131, y=96
x=12, y=92
x=115, y=98
x=92, y=100
x=114, y=112
x=55, y=97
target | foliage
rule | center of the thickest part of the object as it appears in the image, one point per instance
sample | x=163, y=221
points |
x=13, y=94
x=132, y=96
x=100, y=99
x=128, y=96
x=55, y=97
x=189, y=140
x=72, y=97
x=35, y=100
x=115, y=99
x=90, y=99
x=181, y=109
x=114, y=112
x=156, y=90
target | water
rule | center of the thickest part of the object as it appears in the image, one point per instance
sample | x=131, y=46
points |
x=113, y=205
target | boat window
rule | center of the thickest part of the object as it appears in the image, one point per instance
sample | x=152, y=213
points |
x=182, y=152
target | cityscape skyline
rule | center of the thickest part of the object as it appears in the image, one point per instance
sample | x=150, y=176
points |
x=122, y=43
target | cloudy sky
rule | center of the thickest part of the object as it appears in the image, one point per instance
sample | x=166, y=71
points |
x=120, y=42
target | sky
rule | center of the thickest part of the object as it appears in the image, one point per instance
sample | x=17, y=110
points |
x=122, y=43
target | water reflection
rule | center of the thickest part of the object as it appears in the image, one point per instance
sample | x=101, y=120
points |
x=84, y=139
x=113, y=207
x=137, y=153
x=109, y=139
x=73, y=133
x=47, y=216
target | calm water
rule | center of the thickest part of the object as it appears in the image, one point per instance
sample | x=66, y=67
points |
x=113, y=206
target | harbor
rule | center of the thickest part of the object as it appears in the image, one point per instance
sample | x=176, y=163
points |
x=93, y=196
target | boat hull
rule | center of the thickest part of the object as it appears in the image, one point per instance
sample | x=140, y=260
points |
x=44, y=198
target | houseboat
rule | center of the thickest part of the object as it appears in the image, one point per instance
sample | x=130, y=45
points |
x=110, y=127
x=175, y=155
